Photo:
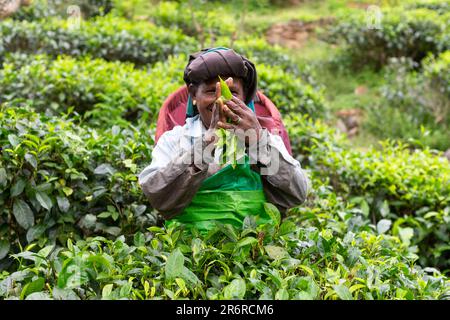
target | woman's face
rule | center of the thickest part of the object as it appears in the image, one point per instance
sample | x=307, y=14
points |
x=205, y=96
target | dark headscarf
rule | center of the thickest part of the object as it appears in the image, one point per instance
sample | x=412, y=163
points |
x=212, y=62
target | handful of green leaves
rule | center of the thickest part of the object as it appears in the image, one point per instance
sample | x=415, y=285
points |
x=228, y=141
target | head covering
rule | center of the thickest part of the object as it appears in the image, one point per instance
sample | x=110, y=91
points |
x=220, y=61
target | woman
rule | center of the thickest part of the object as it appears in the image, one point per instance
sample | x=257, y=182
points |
x=186, y=182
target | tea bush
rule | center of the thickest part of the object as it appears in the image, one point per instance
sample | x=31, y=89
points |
x=413, y=189
x=106, y=37
x=310, y=139
x=289, y=93
x=410, y=188
x=405, y=113
x=193, y=22
x=440, y=6
x=314, y=254
x=329, y=249
x=104, y=93
x=59, y=180
x=437, y=73
x=261, y=52
x=401, y=33
x=217, y=29
x=394, y=123
x=427, y=184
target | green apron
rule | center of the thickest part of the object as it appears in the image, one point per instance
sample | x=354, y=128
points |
x=228, y=196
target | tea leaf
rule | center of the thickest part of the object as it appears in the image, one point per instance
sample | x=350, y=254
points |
x=383, y=225
x=406, y=234
x=44, y=200
x=35, y=286
x=310, y=290
x=189, y=276
x=235, y=290
x=4, y=248
x=226, y=93
x=18, y=187
x=31, y=160
x=64, y=294
x=73, y=274
x=3, y=177
x=282, y=294
x=365, y=208
x=275, y=252
x=35, y=232
x=139, y=239
x=38, y=296
x=287, y=227
x=23, y=214
x=384, y=210
x=104, y=169
x=63, y=203
x=273, y=212
x=67, y=191
x=106, y=291
x=174, y=265
x=14, y=140
x=246, y=241
x=343, y=292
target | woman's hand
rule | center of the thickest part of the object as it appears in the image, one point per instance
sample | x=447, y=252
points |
x=210, y=135
x=218, y=115
x=242, y=117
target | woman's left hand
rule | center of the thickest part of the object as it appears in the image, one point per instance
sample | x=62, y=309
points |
x=242, y=117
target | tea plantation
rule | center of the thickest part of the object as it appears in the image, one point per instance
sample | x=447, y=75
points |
x=78, y=110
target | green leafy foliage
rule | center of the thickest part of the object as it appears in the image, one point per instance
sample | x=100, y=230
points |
x=416, y=190
x=108, y=92
x=259, y=51
x=289, y=93
x=80, y=181
x=106, y=37
x=437, y=73
x=193, y=22
x=409, y=187
x=440, y=6
x=102, y=92
x=326, y=256
x=405, y=113
x=400, y=33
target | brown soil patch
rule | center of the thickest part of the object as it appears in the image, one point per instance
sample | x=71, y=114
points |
x=294, y=33
x=8, y=7
x=359, y=5
x=349, y=121
x=361, y=90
